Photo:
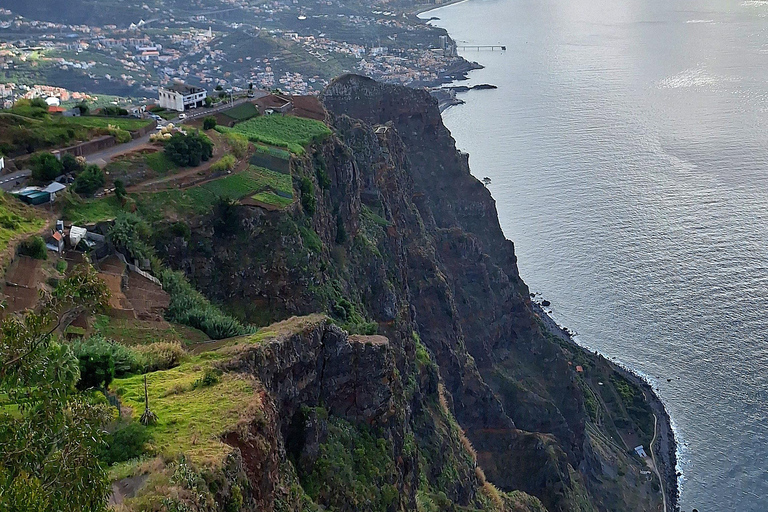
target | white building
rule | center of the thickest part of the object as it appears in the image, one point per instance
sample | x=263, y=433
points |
x=181, y=97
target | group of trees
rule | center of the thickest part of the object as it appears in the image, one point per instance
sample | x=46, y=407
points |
x=51, y=434
x=88, y=178
x=188, y=150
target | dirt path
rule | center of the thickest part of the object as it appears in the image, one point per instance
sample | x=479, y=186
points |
x=655, y=466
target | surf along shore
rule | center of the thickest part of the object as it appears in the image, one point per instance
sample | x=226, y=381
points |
x=664, y=447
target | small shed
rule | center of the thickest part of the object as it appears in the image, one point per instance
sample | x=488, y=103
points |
x=34, y=196
x=76, y=234
x=640, y=451
x=54, y=187
x=55, y=242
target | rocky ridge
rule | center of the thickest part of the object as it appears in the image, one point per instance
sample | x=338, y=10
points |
x=401, y=240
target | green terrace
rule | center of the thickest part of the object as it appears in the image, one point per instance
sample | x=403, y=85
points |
x=273, y=188
x=26, y=129
x=292, y=133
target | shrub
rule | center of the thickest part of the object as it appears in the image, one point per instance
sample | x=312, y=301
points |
x=209, y=123
x=308, y=201
x=45, y=167
x=89, y=180
x=227, y=163
x=189, y=150
x=189, y=307
x=238, y=143
x=211, y=377
x=160, y=356
x=120, y=135
x=125, y=444
x=71, y=163
x=120, y=191
x=129, y=234
x=124, y=360
x=34, y=247
x=97, y=366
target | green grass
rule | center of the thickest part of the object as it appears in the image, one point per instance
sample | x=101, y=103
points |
x=289, y=132
x=196, y=200
x=159, y=162
x=128, y=124
x=84, y=212
x=242, y=112
x=191, y=419
x=16, y=219
x=272, y=198
x=271, y=151
x=144, y=332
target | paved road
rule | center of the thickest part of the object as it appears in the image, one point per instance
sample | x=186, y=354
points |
x=8, y=181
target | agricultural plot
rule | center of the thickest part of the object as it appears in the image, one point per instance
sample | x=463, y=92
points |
x=293, y=133
x=128, y=124
x=276, y=189
x=242, y=112
x=15, y=220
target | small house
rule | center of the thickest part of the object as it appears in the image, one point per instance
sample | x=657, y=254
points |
x=181, y=97
x=640, y=451
x=55, y=242
x=53, y=188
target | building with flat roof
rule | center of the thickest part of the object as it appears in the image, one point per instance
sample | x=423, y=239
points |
x=181, y=97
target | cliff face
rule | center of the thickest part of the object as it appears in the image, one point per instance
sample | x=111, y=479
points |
x=402, y=240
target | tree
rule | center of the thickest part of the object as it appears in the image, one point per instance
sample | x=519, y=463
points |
x=50, y=434
x=189, y=150
x=83, y=108
x=90, y=180
x=120, y=191
x=38, y=103
x=209, y=123
x=45, y=167
x=208, y=101
x=71, y=164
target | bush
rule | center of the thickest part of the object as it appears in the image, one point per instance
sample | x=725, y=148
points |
x=189, y=307
x=160, y=356
x=189, y=150
x=97, y=367
x=124, y=360
x=89, y=180
x=211, y=377
x=34, y=247
x=238, y=143
x=71, y=163
x=45, y=167
x=125, y=444
x=209, y=123
x=308, y=201
x=227, y=163
x=120, y=191
x=130, y=234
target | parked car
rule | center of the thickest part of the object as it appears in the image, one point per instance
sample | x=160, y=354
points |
x=182, y=116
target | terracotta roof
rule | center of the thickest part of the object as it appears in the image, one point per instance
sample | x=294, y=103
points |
x=56, y=235
x=580, y=369
x=56, y=110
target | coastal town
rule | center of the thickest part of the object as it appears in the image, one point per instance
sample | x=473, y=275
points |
x=275, y=45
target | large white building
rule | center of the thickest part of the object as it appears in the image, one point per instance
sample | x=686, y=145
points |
x=181, y=97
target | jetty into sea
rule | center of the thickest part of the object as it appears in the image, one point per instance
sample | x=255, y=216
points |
x=491, y=47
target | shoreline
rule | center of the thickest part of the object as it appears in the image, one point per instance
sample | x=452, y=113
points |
x=665, y=447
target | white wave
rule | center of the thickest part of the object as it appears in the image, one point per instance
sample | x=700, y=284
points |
x=700, y=21
x=754, y=3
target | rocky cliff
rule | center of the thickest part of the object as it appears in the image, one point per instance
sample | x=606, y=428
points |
x=393, y=236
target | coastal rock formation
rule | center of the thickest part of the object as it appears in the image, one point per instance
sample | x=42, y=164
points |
x=400, y=239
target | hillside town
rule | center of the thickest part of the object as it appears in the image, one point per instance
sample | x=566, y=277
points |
x=273, y=46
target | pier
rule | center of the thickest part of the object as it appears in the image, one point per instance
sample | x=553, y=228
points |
x=491, y=47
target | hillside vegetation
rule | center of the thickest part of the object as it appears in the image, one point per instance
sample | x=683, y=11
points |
x=290, y=132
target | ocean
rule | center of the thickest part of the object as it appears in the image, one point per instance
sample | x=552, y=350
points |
x=627, y=146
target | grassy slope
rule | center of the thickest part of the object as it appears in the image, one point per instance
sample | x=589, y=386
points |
x=128, y=124
x=16, y=219
x=190, y=419
x=289, y=132
x=198, y=200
